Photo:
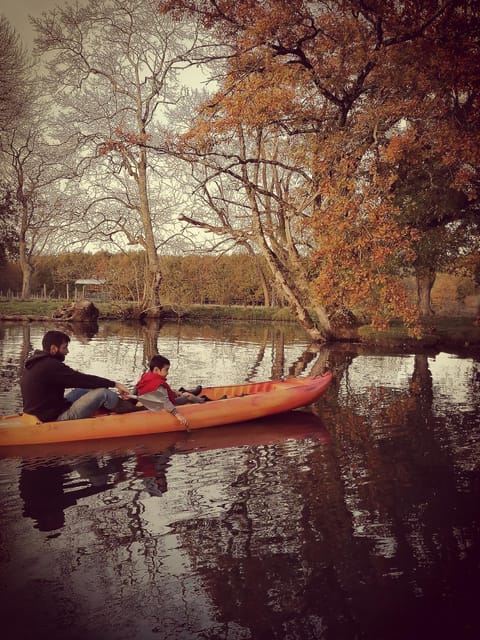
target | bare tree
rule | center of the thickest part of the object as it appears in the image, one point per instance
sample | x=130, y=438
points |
x=13, y=104
x=36, y=169
x=14, y=65
x=32, y=163
x=114, y=66
x=251, y=193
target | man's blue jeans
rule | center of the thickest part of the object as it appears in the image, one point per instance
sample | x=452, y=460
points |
x=86, y=401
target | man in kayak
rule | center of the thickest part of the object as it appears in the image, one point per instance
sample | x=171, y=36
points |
x=45, y=378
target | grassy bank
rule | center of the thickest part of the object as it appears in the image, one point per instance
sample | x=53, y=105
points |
x=44, y=308
x=452, y=332
x=219, y=312
x=448, y=332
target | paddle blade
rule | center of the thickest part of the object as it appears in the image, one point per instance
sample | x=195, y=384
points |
x=152, y=401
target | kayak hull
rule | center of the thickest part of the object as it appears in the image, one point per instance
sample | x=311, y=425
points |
x=244, y=402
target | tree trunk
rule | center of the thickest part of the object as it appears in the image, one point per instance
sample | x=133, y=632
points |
x=263, y=281
x=150, y=331
x=425, y=281
x=151, y=296
x=294, y=299
x=27, y=270
x=301, y=311
x=23, y=250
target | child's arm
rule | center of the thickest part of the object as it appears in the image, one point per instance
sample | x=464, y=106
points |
x=181, y=419
x=170, y=407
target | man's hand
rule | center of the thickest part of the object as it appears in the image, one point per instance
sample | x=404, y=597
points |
x=124, y=392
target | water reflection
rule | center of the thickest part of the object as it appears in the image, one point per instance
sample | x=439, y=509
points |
x=152, y=469
x=233, y=352
x=47, y=490
x=357, y=520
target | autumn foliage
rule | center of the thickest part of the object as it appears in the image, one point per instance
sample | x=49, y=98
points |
x=354, y=90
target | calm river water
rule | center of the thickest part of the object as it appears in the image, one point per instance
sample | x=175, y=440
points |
x=358, y=518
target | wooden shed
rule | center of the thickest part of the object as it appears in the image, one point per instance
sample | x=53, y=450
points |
x=90, y=288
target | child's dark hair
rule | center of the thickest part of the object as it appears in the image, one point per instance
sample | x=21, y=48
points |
x=56, y=338
x=158, y=361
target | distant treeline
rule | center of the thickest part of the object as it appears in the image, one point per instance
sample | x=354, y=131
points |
x=237, y=279
x=193, y=279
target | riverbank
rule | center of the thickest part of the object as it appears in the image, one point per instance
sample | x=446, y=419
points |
x=448, y=333
x=44, y=308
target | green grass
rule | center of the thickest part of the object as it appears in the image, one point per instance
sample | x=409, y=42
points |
x=461, y=328
x=46, y=307
x=31, y=307
x=225, y=312
x=456, y=330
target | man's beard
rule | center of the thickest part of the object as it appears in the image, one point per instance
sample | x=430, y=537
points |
x=59, y=356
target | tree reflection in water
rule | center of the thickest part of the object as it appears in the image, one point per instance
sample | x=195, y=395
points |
x=272, y=530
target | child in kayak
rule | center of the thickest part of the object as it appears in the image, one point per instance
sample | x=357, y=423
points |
x=156, y=380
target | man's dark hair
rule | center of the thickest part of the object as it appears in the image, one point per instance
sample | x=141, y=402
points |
x=158, y=361
x=56, y=338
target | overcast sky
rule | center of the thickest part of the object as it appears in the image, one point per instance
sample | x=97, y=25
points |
x=17, y=12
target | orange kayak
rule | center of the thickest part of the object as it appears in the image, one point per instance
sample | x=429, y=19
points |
x=243, y=402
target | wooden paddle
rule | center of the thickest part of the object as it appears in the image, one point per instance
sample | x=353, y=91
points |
x=152, y=401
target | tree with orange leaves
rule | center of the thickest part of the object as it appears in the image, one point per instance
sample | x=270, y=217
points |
x=349, y=87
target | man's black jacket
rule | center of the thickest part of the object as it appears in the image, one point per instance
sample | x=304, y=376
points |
x=44, y=381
